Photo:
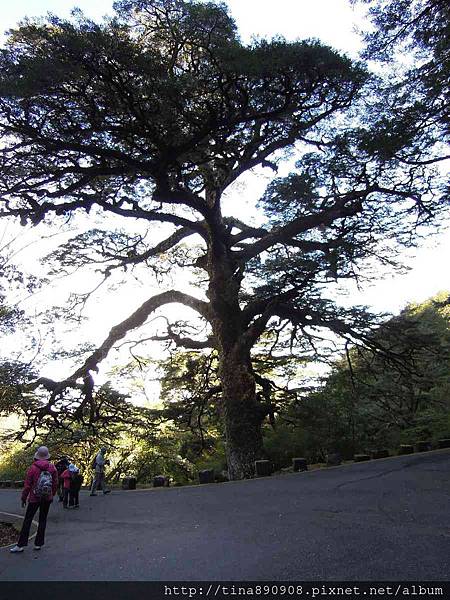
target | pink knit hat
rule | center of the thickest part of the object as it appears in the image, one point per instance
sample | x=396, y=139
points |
x=42, y=453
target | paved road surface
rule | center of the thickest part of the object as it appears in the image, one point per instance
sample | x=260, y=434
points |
x=383, y=520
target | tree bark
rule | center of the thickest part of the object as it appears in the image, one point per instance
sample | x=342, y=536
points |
x=242, y=416
x=241, y=412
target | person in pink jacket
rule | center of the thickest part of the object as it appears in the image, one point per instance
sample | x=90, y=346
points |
x=41, y=483
x=66, y=476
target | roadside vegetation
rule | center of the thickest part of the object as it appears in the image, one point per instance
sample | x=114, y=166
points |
x=368, y=401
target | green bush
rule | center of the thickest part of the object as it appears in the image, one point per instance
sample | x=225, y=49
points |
x=284, y=443
x=214, y=458
x=15, y=462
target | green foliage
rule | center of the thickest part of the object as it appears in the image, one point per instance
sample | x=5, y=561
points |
x=162, y=96
x=283, y=443
x=420, y=31
x=131, y=452
x=215, y=458
x=15, y=462
x=396, y=394
x=190, y=393
x=14, y=376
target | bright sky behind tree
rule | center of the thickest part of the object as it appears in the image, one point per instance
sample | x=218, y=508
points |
x=333, y=22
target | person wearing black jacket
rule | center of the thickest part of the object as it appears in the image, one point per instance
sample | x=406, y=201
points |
x=61, y=466
x=76, y=481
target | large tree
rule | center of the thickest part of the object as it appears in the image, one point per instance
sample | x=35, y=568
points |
x=152, y=116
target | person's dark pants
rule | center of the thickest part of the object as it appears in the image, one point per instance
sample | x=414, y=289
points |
x=73, y=498
x=66, y=497
x=32, y=508
x=60, y=490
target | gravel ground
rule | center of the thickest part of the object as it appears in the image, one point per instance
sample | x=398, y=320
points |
x=8, y=534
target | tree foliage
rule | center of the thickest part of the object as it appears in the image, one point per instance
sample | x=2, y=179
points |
x=15, y=371
x=152, y=116
x=376, y=400
x=414, y=33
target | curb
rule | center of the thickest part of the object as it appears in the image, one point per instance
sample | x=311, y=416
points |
x=19, y=517
x=290, y=474
x=371, y=461
x=305, y=473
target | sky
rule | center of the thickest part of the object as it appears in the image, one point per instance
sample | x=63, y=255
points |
x=333, y=22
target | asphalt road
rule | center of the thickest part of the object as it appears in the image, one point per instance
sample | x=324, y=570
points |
x=383, y=520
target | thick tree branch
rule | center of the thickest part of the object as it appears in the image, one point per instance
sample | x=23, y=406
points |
x=184, y=342
x=160, y=248
x=260, y=306
x=137, y=319
x=118, y=332
x=348, y=205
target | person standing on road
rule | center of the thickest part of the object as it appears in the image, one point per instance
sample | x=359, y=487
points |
x=76, y=481
x=61, y=466
x=41, y=483
x=65, y=477
x=98, y=482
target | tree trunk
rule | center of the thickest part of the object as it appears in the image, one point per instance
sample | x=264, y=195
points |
x=242, y=415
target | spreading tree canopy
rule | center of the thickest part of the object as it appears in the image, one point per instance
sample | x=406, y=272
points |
x=410, y=39
x=151, y=116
